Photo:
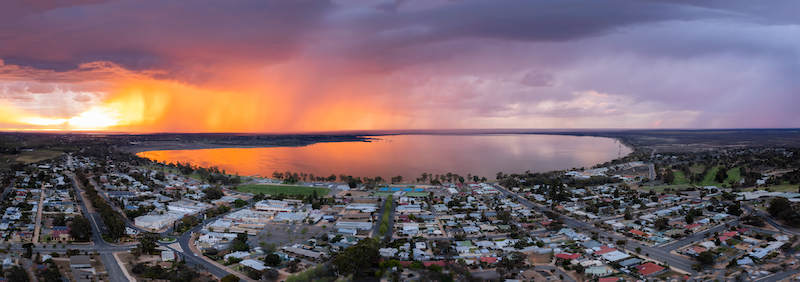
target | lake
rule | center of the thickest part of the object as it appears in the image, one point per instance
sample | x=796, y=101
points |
x=411, y=155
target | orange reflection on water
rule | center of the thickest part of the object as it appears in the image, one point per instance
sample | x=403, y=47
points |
x=411, y=155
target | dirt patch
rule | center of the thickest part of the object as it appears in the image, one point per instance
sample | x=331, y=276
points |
x=540, y=258
x=283, y=234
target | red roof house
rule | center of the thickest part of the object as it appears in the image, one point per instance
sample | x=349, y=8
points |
x=637, y=232
x=567, y=256
x=649, y=269
x=604, y=249
x=692, y=226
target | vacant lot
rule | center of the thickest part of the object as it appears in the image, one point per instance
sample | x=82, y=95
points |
x=282, y=234
x=29, y=157
x=278, y=189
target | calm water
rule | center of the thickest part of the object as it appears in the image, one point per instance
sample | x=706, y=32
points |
x=411, y=155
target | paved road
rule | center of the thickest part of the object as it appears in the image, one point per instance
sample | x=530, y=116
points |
x=654, y=253
x=98, y=228
x=8, y=189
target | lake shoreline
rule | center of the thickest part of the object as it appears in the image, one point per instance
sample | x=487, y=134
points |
x=481, y=154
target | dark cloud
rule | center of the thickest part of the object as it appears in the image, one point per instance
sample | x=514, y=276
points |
x=187, y=37
x=539, y=78
x=459, y=59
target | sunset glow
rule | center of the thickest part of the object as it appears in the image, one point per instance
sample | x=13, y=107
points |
x=293, y=66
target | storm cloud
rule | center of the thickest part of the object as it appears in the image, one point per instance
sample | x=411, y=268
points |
x=335, y=65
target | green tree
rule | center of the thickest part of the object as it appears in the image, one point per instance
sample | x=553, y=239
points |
x=779, y=205
x=706, y=257
x=272, y=260
x=213, y=193
x=80, y=229
x=230, y=278
x=628, y=215
x=240, y=243
x=239, y=203
x=18, y=274
x=661, y=223
x=689, y=218
x=638, y=250
x=148, y=241
x=510, y=262
x=356, y=258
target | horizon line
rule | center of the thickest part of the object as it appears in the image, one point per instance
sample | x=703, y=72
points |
x=395, y=131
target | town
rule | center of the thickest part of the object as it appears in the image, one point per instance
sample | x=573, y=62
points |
x=96, y=215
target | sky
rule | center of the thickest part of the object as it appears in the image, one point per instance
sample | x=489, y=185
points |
x=309, y=65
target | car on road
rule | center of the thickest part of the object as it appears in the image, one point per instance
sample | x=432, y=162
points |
x=195, y=254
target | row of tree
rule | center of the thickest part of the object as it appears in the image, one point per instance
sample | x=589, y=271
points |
x=113, y=220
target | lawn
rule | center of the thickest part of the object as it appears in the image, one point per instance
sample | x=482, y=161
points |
x=680, y=178
x=778, y=188
x=734, y=174
x=661, y=188
x=285, y=189
x=37, y=155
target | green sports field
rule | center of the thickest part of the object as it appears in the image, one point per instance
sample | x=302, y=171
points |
x=285, y=189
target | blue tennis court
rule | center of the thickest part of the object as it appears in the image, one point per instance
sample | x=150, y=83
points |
x=419, y=190
x=408, y=190
x=395, y=189
x=383, y=189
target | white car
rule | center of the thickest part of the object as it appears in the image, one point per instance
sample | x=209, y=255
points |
x=195, y=254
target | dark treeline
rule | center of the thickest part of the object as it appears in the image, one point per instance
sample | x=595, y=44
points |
x=112, y=219
x=211, y=174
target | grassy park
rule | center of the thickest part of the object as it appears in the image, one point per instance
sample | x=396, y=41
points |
x=285, y=189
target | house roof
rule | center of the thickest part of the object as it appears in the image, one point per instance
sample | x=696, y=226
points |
x=649, y=268
x=429, y=263
x=604, y=250
x=567, y=256
x=608, y=279
x=690, y=226
x=637, y=232
x=489, y=259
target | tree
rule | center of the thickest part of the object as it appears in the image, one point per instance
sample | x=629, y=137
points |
x=661, y=223
x=148, y=241
x=356, y=258
x=28, y=250
x=241, y=203
x=732, y=264
x=753, y=220
x=213, y=193
x=778, y=205
x=18, y=274
x=638, y=250
x=272, y=260
x=509, y=263
x=706, y=257
x=628, y=215
x=80, y=229
x=230, y=278
x=689, y=218
x=735, y=209
x=240, y=243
